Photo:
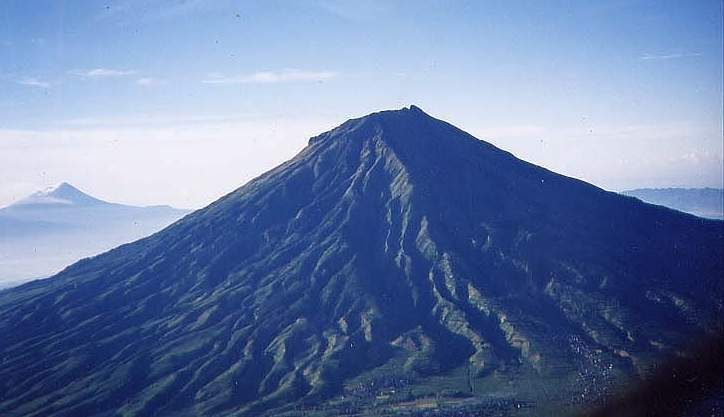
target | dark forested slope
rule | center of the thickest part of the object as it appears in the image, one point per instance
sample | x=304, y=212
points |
x=395, y=244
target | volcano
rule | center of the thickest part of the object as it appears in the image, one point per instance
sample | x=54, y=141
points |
x=50, y=229
x=395, y=264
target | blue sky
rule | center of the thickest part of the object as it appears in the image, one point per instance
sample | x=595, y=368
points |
x=179, y=102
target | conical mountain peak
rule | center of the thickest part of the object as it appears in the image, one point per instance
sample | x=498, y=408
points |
x=409, y=112
x=64, y=189
x=406, y=125
x=393, y=248
x=61, y=194
x=405, y=115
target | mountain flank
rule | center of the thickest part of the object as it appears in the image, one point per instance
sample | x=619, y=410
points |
x=395, y=265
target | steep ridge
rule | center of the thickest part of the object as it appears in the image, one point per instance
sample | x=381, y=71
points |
x=395, y=241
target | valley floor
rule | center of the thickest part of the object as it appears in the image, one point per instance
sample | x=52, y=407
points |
x=452, y=394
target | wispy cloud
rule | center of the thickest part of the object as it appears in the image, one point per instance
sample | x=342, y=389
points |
x=270, y=77
x=148, y=81
x=686, y=151
x=33, y=82
x=211, y=153
x=148, y=121
x=97, y=73
x=676, y=55
x=508, y=132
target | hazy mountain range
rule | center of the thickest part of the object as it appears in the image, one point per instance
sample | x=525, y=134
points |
x=702, y=202
x=49, y=230
x=396, y=264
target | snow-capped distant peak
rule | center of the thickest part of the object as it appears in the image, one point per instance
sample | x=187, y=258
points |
x=62, y=194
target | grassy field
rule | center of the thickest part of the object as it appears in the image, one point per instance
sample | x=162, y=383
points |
x=383, y=391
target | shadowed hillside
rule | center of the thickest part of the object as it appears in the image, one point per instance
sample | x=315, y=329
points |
x=395, y=263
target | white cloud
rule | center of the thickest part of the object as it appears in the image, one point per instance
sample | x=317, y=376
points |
x=34, y=82
x=96, y=73
x=150, y=121
x=508, y=132
x=269, y=77
x=677, y=55
x=619, y=157
x=194, y=159
x=147, y=81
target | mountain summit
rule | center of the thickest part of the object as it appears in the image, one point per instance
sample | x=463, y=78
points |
x=50, y=229
x=396, y=261
x=62, y=194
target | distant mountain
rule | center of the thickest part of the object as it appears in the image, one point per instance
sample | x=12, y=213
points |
x=395, y=265
x=48, y=230
x=63, y=195
x=702, y=202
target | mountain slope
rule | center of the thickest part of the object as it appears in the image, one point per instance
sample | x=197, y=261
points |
x=41, y=234
x=703, y=202
x=395, y=252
